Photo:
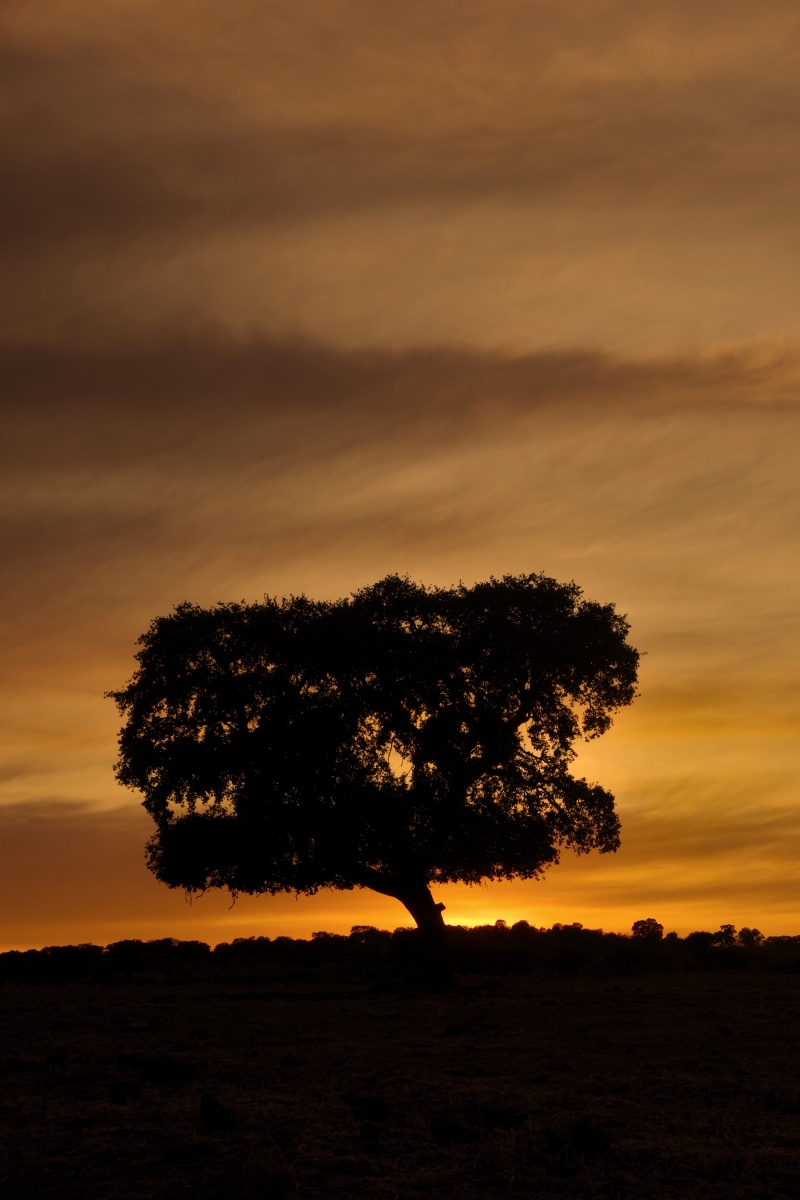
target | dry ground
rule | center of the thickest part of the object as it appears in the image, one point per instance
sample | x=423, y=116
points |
x=676, y=1086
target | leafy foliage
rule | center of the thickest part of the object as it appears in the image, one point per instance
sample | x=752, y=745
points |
x=406, y=733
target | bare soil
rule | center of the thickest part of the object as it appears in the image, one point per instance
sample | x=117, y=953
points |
x=683, y=1085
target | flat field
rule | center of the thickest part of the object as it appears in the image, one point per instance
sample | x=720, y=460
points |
x=679, y=1085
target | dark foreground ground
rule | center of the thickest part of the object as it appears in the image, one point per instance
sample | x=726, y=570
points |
x=682, y=1086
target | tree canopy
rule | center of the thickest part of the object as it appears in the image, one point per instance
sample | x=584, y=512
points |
x=403, y=736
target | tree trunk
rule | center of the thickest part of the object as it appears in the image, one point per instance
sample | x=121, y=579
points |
x=437, y=964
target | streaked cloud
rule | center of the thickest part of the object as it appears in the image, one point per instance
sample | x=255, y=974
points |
x=613, y=173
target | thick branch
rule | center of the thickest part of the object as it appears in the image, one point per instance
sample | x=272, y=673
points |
x=413, y=893
x=387, y=885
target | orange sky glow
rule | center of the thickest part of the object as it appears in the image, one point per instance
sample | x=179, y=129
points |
x=300, y=295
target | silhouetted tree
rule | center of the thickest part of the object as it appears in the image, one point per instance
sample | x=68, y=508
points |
x=404, y=736
x=750, y=937
x=649, y=928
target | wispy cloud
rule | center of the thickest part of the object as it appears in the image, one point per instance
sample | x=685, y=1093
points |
x=622, y=174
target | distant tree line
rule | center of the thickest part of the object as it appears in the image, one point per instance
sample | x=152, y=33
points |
x=380, y=955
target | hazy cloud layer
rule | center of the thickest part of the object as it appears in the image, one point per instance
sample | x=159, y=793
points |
x=621, y=174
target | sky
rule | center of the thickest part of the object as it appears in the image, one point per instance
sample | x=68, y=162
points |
x=296, y=296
